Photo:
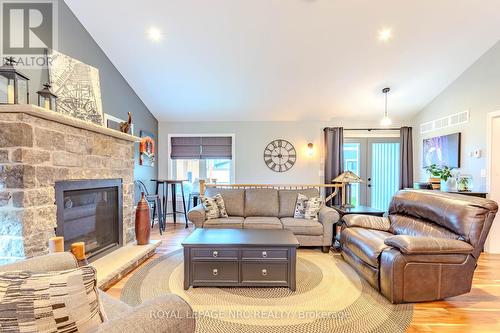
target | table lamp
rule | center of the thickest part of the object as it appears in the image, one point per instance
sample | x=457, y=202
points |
x=347, y=178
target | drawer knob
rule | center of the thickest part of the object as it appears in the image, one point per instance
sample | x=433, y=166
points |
x=215, y=272
x=264, y=272
x=215, y=254
x=264, y=254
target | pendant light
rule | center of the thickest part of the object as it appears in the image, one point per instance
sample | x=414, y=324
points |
x=386, y=121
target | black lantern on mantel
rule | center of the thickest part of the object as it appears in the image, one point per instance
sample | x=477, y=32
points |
x=13, y=85
x=46, y=98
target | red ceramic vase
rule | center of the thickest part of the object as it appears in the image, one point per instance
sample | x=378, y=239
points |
x=142, y=221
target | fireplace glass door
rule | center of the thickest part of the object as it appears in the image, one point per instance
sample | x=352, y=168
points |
x=92, y=216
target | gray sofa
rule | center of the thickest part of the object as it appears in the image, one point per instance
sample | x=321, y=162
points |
x=121, y=317
x=269, y=209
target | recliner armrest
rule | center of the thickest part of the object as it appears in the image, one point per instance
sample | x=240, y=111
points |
x=197, y=215
x=428, y=245
x=367, y=222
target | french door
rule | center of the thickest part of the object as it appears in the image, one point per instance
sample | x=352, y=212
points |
x=376, y=161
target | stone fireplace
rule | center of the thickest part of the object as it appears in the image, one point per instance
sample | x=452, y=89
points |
x=39, y=148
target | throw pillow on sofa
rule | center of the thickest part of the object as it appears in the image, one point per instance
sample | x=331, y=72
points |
x=214, y=207
x=65, y=301
x=221, y=205
x=211, y=208
x=307, y=208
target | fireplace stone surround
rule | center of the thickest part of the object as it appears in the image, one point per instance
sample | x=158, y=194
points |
x=37, y=149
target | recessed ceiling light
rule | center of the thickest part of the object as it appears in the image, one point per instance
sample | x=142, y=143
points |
x=155, y=34
x=385, y=34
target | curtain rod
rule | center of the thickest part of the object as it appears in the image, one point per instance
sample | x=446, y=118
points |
x=371, y=129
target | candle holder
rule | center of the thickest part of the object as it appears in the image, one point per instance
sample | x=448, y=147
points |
x=78, y=250
x=56, y=244
x=13, y=85
x=46, y=98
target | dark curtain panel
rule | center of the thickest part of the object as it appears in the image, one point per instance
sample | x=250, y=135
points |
x=406, y=147
x=334, y=158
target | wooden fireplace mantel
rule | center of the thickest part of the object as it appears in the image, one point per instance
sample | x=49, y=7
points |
x=37, y=111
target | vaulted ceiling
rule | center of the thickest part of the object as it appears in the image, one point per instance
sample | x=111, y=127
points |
x=289, y=59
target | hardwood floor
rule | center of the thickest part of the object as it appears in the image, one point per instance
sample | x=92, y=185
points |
x=478, y=311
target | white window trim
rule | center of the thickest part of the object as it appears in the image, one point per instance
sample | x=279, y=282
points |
x=233, y=151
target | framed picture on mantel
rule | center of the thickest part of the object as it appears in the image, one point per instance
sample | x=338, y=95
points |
x=114, y=123
x=77, y=87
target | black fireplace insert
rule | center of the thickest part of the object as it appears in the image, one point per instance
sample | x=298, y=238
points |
x=90, y=211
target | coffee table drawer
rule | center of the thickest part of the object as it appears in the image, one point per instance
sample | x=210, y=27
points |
x=259, y=272
x=214, y=254
x=265, y=254
x=215, y=271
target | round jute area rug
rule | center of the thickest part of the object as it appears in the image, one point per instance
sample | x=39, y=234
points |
x=330, y=297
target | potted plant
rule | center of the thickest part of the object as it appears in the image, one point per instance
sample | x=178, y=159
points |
x=441, y=177
x=464, y=183
x=435, y=175
x=448, y=182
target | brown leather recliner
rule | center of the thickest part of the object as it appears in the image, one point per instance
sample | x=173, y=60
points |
x=426, y=249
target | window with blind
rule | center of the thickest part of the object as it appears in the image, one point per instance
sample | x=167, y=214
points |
x=202, y=157
x=202, y=148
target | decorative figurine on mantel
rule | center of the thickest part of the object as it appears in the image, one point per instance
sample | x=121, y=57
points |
x=13, y=85
x=125, y=126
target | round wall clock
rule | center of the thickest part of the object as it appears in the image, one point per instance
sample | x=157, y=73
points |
x=280, y=155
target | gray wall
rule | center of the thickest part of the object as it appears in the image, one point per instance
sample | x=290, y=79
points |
x=252, y=137
x=476, y=90
x=118, y=97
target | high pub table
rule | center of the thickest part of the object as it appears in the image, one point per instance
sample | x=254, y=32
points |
x=173, y=186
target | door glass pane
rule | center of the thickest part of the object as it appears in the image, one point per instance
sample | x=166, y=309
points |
x=352, y=163
x=384, y=173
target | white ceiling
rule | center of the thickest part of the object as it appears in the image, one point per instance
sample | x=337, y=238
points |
x=289, y=59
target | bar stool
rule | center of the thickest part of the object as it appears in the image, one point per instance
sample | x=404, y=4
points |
x=195, y=196
x=173, y=186
x=154, y=202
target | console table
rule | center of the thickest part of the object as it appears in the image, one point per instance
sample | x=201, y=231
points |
x=240, y=258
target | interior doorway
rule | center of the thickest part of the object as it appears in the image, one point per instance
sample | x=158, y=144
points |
x=377, y=161
x=492, y=244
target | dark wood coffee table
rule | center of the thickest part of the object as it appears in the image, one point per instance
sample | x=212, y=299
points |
x=240, y=258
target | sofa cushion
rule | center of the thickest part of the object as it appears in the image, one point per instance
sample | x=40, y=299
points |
x=232, y=222
x=261, y=202
x=464, y=215
x=234, y=199
x=367, y=244
x=367, y=222
x=288, y=199
x=262, y=222
x=302, y=226
x=412, y=226
x=60, y=301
